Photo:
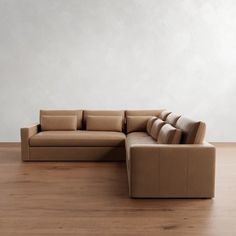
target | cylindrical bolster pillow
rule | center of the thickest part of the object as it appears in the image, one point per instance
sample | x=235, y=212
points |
x=169, y=135
x=54, y=123
x=104, y=123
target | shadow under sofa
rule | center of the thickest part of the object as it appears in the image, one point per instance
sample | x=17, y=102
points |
x=155, y=170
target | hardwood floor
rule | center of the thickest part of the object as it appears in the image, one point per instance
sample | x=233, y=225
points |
x=92, y=199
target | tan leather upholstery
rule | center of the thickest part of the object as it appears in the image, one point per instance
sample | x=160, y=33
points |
x=78, y=113
x=156, y=127
x=171, y=171
x=80, y=138
x=26, y=134
x=77, y=153
x=193, y=132
x=172, y=119
x=169, y=135
x=154, y=170
x=143, y=112
x=102, y=113
x=164, y=115
x=58, y=123
x=136, y=123
x=139, y=138
x=150, y=122
x=104, y=123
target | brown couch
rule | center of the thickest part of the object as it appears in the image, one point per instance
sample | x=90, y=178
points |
x=165, y=153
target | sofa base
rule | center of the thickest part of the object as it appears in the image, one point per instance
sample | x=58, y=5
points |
x=76, y=154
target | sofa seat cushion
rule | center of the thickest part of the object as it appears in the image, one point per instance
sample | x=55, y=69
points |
x=79, y=138
x=137, y=138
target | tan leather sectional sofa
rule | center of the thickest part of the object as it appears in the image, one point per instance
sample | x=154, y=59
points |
x=165, y=153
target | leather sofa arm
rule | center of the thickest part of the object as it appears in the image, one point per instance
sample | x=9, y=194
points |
x=26, y=133
x=160, y=170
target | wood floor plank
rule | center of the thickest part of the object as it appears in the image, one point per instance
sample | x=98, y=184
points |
x=53, y=198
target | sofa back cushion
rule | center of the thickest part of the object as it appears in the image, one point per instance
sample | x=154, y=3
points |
x=77, y=113
x=156, y=127
x=104, y=123
x=58, y=123
x=119, y=113
x=164, y=114
x=140, y=113
x=172, y=119
x=169, y=135
x=143, y=112
x=193, y=131
x=150, y=122
x=136, y=123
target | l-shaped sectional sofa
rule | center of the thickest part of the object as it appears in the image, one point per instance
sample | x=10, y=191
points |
x=165, y=153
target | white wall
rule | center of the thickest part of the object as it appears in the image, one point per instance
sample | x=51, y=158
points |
x=174, y=54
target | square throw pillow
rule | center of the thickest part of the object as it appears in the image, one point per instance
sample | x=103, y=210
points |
x=54, y=123
x=104, y=123
x=137, y=123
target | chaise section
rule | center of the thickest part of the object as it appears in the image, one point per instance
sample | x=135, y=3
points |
x=171, y=171
x=80, y=138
